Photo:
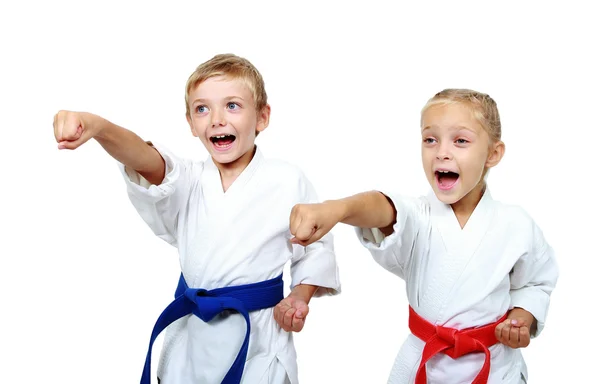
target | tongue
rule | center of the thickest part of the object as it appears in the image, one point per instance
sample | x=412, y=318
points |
x=224, y=142
x=448, y=180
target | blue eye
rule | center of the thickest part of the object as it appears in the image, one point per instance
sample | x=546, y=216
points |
x=462, y=141
x=232, y=105
x=428, y=140
x=201, y=109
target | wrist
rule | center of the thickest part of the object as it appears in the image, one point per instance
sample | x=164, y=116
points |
x=95, y=124
x=304, y=292
x=340, y=210
x=518, y=312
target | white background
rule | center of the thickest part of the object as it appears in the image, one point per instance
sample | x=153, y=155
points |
x=82, y=279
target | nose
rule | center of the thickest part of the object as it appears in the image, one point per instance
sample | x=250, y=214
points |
x=217, y=119
x=444, y=152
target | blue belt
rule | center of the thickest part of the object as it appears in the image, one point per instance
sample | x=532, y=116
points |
x=207, y=304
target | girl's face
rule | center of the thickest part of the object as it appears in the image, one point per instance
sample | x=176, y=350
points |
x=455, y=152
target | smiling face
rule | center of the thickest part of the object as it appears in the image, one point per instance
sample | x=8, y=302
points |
x=456, y=150
x=224, y=117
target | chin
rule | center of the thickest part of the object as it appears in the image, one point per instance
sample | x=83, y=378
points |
x=225, y=158
x=447, y=199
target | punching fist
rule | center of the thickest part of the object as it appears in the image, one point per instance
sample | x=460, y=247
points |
x=71, y=129
x=310, y=222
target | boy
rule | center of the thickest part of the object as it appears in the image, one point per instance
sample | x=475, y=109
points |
x=466, y=259
x=228, y=216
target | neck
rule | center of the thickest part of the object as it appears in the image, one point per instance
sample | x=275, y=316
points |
x=465, y=206
x=229, y=172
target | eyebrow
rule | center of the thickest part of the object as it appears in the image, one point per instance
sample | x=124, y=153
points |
x=456, y=128
x=225, y=98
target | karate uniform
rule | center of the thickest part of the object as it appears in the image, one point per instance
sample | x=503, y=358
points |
x=231, y=238
x=463, y=278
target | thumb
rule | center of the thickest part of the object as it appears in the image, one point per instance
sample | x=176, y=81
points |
x=79, y=137
x=305, y=231
x=301, y=309
x=518, y=322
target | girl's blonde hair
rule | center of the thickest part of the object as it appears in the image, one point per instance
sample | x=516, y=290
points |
x=484, y=108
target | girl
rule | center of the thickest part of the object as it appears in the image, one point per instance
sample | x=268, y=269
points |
x=478, y=272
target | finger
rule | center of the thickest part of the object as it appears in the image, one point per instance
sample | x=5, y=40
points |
x=72, y=130
x=287, y=317
x=524, y=337
x=295, y=219
x=55, y=127
x=502, y=337
x=514, y=337
x=58, y=128
x=316, y=236
x=297, y=324
x=281, y=317
x=280, y=310
x=506, y=333
x=301, y=310
x=498, y=331
x=305, y=230
x=499, y=328
x=79, y=137
x=70, y=144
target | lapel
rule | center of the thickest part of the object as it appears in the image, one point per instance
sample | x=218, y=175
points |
x=457, y=240
x=221, y=209
x=451, y=251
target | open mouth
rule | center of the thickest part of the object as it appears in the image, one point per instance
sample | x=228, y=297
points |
x=222, y=141
x=446, y=179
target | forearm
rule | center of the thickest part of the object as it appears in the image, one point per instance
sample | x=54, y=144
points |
x=304, y=292
x=367, y=210
x=128, y=148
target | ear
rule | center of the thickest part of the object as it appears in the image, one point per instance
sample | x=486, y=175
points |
x=189, y=120
x=263, y=118
x=495, y=154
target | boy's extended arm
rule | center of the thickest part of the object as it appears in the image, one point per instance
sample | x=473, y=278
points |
x=72, y=129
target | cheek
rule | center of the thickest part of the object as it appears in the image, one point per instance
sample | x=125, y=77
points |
x=427, y=161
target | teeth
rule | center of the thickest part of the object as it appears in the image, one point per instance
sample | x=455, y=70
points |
x=220, y=136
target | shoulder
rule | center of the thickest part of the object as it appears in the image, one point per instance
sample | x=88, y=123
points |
x=173, y=160
x=283, y=171
x=287, y=181
x=515, y=215
x=521, y=224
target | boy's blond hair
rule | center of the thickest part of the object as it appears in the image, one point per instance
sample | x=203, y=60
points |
x=232, y=67
x=484, y=108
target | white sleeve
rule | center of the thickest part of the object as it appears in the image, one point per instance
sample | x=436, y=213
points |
x=533, y=279
x=315, y=264
x=160, y=205
x=395, y=251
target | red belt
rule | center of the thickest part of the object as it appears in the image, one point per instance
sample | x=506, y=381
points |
x=453, y=343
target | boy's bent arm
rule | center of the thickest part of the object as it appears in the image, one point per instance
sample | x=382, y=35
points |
x=129, y=149
x=313, y=268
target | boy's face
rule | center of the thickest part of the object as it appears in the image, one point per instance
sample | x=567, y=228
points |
x=223, y=116
x=455, y=151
